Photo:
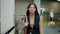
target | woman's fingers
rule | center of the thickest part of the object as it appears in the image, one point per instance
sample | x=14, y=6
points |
x=26, y=24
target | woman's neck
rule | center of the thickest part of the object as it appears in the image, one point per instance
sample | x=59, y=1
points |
x=32, y=15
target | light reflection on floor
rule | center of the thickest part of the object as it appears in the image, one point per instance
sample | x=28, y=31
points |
x=47, y=30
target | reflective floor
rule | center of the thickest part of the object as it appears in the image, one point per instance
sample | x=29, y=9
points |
x=48, y=30
x=54, y=29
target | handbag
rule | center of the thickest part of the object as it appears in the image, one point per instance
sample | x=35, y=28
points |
x=25, y=29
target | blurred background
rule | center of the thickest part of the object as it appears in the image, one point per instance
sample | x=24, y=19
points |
x=47, y=6
x=12, y=12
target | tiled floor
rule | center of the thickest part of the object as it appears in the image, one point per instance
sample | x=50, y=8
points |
x=51, y=30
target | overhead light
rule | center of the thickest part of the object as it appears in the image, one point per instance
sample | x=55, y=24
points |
x=58, y=0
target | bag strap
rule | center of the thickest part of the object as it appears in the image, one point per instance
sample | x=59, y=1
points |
x=25, y=30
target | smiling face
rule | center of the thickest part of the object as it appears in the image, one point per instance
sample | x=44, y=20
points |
x=32, y=9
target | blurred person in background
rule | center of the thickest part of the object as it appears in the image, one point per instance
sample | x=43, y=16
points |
x=51, y=15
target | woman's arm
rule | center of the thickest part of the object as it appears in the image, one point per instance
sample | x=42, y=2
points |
x=41, y=25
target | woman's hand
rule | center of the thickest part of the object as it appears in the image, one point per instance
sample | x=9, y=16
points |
x=26, y=24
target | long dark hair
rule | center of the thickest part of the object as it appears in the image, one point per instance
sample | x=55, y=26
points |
x=36, y=12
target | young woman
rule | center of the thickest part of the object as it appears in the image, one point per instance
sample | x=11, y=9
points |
x=34, y=25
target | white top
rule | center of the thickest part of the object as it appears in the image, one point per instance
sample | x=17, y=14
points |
x=51, y=14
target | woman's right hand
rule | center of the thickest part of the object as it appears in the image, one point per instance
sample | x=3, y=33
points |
x=26, y=24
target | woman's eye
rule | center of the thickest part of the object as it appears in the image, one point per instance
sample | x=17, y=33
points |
x=32, y=7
